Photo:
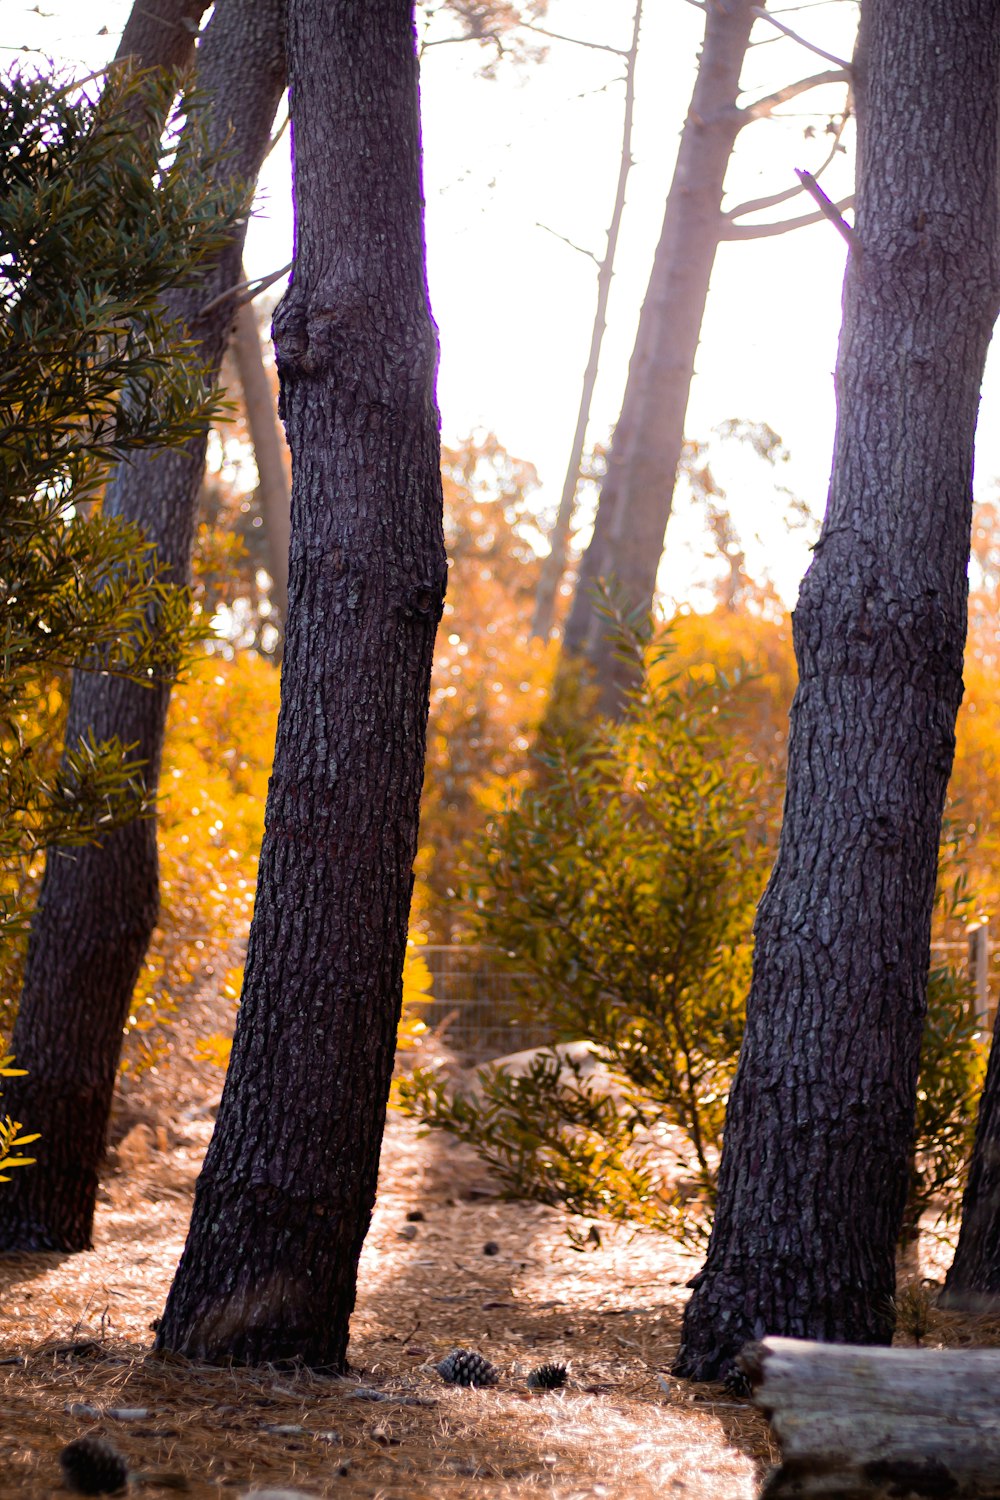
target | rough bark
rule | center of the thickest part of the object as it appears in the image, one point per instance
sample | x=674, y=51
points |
x=877, y=1424
x=819, y=1127
x=554, y=565
x=98, y=905
x=973, y=1281
x=285, y=1197
x=265, y=433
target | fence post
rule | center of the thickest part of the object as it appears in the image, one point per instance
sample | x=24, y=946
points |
x=979, y=969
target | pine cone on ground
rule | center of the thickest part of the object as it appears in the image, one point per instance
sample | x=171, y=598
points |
x=736, y=1383
x=93, y=1467
x=547, y=1377
x=466, y=1367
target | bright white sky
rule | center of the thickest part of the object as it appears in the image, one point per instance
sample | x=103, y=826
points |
x=540, y=144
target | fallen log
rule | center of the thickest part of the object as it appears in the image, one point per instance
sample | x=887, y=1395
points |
x=879, y=1424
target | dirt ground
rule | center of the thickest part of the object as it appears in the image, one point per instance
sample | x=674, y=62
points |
x=75, y=1343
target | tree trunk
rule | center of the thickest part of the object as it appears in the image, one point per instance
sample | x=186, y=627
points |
x=814, y=1171
x=638, y=491
x=874, y=1424
x=98, y=905
x=161, y=33
x=973, y=1282
x=285, y=1197
x=554, y=565
x=265, y=433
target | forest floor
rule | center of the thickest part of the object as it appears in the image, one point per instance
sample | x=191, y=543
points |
x=75, y=1340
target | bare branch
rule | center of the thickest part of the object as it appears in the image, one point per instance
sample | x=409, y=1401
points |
x=276, y=137
x=771, y=200
x=764, y=231
x=765, y=15
x=572, y=245
x=558, y=36
x=761, y=108
x=244, y=291
x=829, y=209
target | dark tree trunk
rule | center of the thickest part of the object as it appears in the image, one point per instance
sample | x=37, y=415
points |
x=973, y=1282
x=819, y=1128
x=285, y=1197
x=98, y=905
x=637, y=493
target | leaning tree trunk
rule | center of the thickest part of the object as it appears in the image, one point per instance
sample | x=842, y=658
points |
x=161, y=33
x=553, y=566
x=817, y=1142
x=973, y=1282
x=285, y=1197
x=98, y=905
x=637, y=494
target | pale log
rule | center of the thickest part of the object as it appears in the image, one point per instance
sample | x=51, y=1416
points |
x=858, y=1422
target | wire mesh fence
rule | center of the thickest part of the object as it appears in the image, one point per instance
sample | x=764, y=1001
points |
x=480, y=1008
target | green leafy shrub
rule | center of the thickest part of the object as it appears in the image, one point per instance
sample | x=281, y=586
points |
x=99, y=215
x=953, y=1061
x=625, y=885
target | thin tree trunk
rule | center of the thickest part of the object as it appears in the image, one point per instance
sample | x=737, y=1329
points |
x=268, y=444
x=554, y=565
x=638, y=491
x=285, y=1197
x=98, y=905
x=973, y=1281
x=814, y=1171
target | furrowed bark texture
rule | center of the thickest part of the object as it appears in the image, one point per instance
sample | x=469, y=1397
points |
x=819, y=1127
x=98, y=906
x=285, y=1197
x=973, y=1281
x=637, y=493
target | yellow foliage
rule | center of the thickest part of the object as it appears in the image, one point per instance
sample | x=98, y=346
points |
x=10, y=1130
x=216, y=764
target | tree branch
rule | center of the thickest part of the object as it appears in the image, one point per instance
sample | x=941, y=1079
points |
x=572, y=245
x=763, y=231
x=244, y=291
x=558, y=36
x=765, y=15
x=771, y=200
x=761, y=108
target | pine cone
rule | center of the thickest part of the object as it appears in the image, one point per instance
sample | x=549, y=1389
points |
x=736, y=1383
x=466, y=1367
x=93, y=1467
x=547, y=1377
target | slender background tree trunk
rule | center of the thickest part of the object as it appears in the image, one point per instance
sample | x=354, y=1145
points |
x=554, y=565
x=973, y=1282
x=819, y=1128
x=637, y=494
x=285, y=1197
x=268, y=446
x=98, y=905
